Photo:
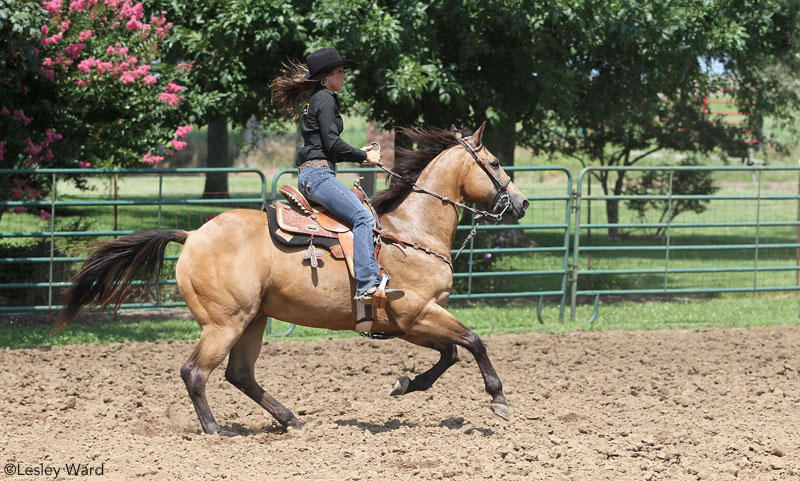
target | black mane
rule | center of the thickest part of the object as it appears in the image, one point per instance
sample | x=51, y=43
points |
x=408, y=163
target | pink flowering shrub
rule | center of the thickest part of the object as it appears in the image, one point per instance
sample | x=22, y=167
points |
x=102, y=58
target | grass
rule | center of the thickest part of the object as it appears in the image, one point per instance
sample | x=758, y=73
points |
x=717, y=312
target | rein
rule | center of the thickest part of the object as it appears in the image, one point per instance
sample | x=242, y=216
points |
x=502, y=194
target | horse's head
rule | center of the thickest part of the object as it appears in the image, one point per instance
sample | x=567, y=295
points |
x=485, y=182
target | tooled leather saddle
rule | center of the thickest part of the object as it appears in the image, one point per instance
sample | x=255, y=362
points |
x=299, y=224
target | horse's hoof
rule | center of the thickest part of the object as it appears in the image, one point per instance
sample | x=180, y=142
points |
x=400, y=386
x=501, y=410
x=226, y=433
x=293, y=425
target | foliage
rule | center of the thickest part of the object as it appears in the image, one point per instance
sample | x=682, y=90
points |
x=236, y=47
x=439, y=63
x=39, y=272
x=638, y=73
x=663, y=182
x=84, y=85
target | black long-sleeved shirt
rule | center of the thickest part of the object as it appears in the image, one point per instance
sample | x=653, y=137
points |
x=321, y=127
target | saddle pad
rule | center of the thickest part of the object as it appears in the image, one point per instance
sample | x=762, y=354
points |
x=299, y=240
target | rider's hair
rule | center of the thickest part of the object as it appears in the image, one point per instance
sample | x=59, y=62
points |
x=292, y=86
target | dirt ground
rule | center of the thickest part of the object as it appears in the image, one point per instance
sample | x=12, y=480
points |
x=718, y=404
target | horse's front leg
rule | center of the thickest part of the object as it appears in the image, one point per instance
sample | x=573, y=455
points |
x=438, y=324
x=448, y=357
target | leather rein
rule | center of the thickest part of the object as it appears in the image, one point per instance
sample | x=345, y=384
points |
x=502, y=195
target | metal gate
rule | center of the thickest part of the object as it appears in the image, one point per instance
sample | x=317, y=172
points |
x=764, y=220
x=770, y=243
x=56, y=206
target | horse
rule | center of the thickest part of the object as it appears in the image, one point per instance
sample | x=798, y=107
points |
x=233, y=275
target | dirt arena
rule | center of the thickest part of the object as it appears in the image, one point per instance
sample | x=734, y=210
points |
x=660, y=405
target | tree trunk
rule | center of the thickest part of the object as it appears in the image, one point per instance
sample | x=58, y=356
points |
x=612, y=205
x=612, y=215
x=217, y=183
x=500, y=138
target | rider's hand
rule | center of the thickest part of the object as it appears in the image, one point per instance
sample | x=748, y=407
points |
x=373, y=157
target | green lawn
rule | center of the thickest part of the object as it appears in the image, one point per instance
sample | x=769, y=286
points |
x=719, y=312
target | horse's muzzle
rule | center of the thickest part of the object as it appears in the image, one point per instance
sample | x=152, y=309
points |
x=513, y=206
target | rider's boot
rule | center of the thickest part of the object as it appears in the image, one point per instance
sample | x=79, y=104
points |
x=367, y=296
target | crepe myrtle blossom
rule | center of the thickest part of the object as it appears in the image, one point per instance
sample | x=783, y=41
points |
x=183, y=130
x=53, y=6
x=149, y=158
x=82, y=41
x=170, y=99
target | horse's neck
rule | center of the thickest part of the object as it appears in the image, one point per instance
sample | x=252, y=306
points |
x=423, y=218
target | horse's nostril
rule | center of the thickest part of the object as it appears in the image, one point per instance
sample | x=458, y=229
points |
x=525, y=204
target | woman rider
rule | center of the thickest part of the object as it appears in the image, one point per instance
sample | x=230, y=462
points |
x=321, y=125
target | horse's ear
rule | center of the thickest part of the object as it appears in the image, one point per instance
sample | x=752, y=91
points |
x=478, y=135
x=456, y=133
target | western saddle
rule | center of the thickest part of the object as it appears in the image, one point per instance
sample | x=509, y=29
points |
x=299, y=223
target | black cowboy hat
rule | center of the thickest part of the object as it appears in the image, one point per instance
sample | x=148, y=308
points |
x=325, y=59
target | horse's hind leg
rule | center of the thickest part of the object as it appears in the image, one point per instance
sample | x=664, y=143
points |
x=241, y=364
x=424, y=381
x=210, y=352
x=438, y=324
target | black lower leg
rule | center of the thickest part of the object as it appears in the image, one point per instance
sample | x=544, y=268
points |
x=424, y=381
x=492, y=382
x=246, y=383
x=195, y=380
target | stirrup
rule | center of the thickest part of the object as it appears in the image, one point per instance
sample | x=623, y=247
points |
x=379, y=295
x=368, y=298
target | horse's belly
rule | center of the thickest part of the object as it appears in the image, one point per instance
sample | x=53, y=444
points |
x=320, y=297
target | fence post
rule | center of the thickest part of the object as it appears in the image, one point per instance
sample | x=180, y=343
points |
x=576, y=245
x=669, y=224
x=52, y=242
x=758, y=231
x=565, y=263
x=160, y=196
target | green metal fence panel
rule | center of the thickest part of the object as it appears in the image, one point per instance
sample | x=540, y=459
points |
x=673, y=242
x=561, y=226
x=57, y=203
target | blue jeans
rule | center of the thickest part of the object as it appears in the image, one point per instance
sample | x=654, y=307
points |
x=319, y=184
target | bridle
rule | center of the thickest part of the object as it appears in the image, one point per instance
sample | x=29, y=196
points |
x=501, y=195
x=502, y=189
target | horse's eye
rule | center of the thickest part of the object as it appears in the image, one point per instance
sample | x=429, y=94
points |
x=495, y=164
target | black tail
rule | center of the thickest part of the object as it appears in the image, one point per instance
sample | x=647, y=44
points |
x=106, y=277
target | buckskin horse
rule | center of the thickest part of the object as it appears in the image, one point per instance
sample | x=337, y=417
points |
x=233, y=275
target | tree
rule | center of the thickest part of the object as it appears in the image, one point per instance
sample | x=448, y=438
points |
x=235, y=47
x=439, y=63
x=83, y=86
x=640, y=72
